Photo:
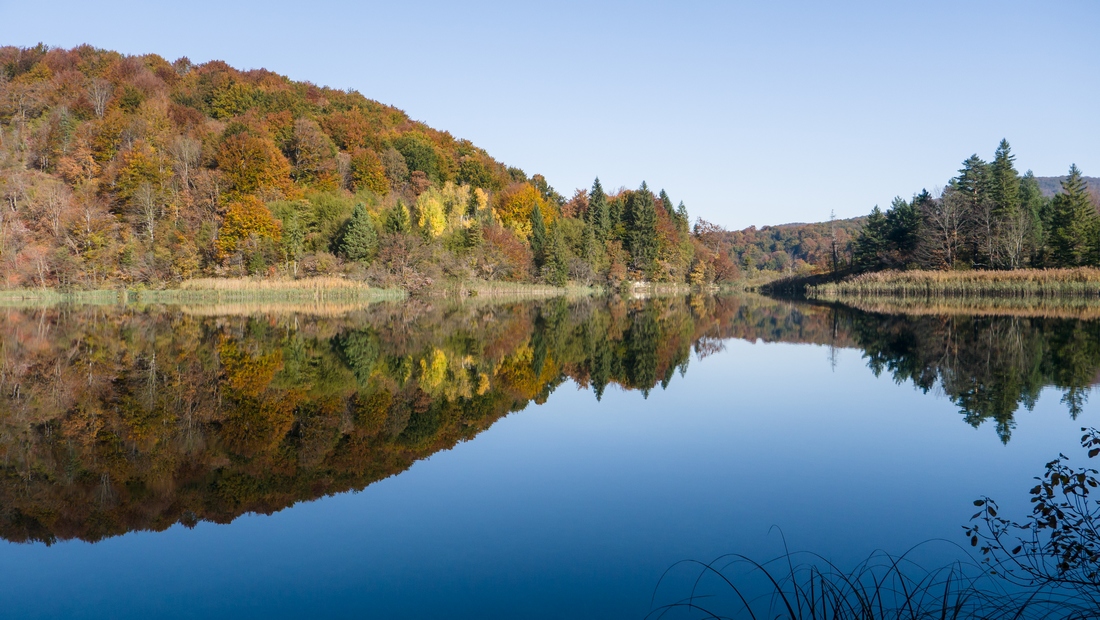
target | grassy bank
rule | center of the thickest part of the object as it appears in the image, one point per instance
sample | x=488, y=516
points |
x=219, y=292
x=328, y=295
x=1020, y=284
x=515, y=291
x=1079, y=308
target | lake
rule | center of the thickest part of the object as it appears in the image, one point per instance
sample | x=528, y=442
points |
x=544, y=459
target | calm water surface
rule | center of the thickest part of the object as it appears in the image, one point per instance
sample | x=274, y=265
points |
x=541, y=460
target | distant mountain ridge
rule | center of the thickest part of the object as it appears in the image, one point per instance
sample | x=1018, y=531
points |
x=1053, y=185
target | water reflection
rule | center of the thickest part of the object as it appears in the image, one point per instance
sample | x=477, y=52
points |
x=115, y=420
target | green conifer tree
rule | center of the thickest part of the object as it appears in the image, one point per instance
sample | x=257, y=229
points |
x=359, y=240
x=902, y=232
x=1073, y=224
x=1037, y=208
x=555, y=268
x=397, y=219
x=870, y=245
x=1004, y=181
x=682, y=222
x=538, y=236
x=597, y=216
x=643, y=231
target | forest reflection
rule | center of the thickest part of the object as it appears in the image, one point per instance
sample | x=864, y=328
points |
x=117, y=419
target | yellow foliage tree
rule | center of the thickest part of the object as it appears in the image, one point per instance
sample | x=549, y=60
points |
x=244, y=218
x=140, y=165
x=442, y=210
x=367, y=172
x=515, y=204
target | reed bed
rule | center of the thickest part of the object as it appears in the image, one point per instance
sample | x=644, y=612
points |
x=1083, y=282
x=326, y=309
x=326, y=284
x=213, y=291
x=517, y=291
x=17, y=298
x=1079, y=308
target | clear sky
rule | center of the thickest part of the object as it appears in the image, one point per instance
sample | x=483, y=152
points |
x=751, y=113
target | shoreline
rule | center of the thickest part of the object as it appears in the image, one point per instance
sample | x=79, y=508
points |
x=319, y=293
x=1039, y=284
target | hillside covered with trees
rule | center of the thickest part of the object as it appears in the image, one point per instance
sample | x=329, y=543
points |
x=988, y=217
x=133, y=170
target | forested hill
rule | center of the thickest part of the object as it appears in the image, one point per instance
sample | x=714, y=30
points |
x=120, y=169
x=1049, y=186
x=797, y=247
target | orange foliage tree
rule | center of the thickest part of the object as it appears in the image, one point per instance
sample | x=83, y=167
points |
x=246, y=218
x=252, y=163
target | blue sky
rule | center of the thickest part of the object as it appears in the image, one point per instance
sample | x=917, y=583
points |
x=751, y=113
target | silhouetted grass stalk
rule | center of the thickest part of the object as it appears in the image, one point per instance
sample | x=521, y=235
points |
x=882, y=587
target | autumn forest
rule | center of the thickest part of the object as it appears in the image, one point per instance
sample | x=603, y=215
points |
x=136, y=171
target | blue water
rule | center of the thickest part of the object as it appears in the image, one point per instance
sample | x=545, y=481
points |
x=575, y=508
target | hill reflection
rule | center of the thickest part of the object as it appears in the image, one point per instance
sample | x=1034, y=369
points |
x=115, y=420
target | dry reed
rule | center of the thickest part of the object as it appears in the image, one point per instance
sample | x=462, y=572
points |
x=1083, y=282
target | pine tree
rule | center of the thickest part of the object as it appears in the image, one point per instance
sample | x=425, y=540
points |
x=597, y=215
x=1004, y=182
x=397, y=220
x=555, y=268
x=538, y=236
x=1073, y=224
x=870, y=245
x=590, y=247
x=902, y=232
x=972, y=185
x=1012, y=227
x=359, y=240
x=682, y=222
x=1037, y=209
x=666, y=202
x=643, y=231
x=473, y=236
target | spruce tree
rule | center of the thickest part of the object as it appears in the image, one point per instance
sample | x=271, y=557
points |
x=597, y=215
x=643, y=231
x=1012, y=229
x=871, y=244
x=666, y=202
x=682, y=218
x=555, y=267
x=359, y=240
x=1037, y=208
x=538, y=236
x=902, y=232
x=1073, y=224
x=397, y=219
x=1004, y=182
x=973, y=186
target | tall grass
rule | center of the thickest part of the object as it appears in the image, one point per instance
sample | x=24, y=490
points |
x=1019, y=283
x=1079, y=308
x=806, y=586
x=505, y=291
x=216, y=291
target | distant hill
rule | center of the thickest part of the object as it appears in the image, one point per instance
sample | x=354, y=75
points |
x=792, y=247
x=1052, y=185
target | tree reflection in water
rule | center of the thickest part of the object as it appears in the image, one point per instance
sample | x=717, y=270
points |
x=114, y=420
